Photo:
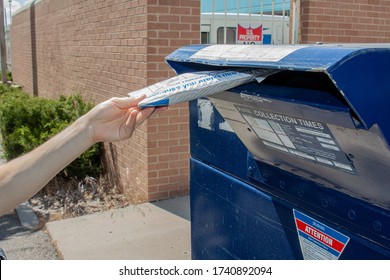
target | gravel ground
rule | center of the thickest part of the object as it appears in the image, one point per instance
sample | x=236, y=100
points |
x=20, y=243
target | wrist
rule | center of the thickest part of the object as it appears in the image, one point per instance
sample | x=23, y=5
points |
x=85, y=129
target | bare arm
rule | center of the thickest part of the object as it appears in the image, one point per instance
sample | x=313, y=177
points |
x=110, y=121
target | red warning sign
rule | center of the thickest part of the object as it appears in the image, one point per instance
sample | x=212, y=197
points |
x=249, y=35
x=318, y=241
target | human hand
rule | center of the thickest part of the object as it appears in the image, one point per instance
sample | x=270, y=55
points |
x=117, y=118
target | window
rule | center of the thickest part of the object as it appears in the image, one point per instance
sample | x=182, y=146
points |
x=205, y=38
x=230, y=35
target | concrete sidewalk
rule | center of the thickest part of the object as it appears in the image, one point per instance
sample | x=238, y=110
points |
x=150, y=231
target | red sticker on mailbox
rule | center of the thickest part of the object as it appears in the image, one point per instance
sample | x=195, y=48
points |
x=317, y=240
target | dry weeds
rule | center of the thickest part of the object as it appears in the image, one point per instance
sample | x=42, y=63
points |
x=62, y=199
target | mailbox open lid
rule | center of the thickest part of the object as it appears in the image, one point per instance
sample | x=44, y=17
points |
x=321, y=112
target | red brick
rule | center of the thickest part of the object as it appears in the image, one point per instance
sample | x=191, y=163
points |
x=168, y=187
x=169, y=157
x=167, y=172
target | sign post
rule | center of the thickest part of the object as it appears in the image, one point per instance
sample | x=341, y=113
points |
x=2, y=45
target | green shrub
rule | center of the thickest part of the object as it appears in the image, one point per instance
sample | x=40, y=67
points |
x=26, y=122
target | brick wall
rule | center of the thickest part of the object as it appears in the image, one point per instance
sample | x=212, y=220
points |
x=109, y=48
x=352, y=21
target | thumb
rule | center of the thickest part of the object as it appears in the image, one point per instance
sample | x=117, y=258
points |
x=127, y=102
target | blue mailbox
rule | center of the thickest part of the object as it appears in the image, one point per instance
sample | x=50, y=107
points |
x=295, y=165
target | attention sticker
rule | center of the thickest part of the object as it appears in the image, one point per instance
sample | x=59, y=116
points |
x=318, y=241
